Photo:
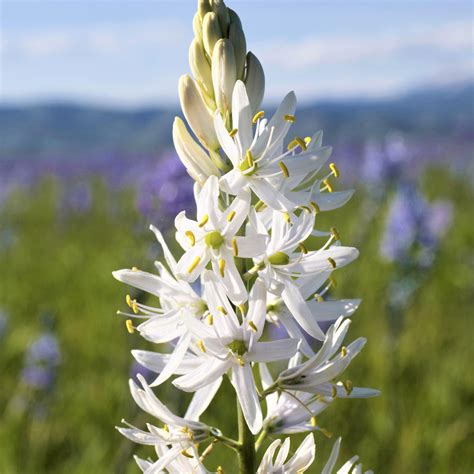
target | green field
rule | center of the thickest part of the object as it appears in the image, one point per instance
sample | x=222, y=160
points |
x=422, y=423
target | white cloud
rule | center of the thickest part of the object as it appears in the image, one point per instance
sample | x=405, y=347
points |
x=309, y=52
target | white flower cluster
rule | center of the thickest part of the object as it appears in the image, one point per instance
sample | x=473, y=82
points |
x=257, y=204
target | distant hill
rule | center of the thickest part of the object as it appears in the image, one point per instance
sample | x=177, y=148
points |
x=75, y=130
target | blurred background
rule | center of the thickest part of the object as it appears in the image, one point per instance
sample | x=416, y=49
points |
x=88, y=94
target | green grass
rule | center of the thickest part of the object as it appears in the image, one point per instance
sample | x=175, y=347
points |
x=423, y=422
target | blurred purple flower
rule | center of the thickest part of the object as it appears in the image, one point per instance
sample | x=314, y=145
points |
x=78, y=197
x=3, y=323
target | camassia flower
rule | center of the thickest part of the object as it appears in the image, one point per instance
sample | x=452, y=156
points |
x=281, y=178
x=349, y=467
x=213, y=238
x=286, y=259
x=228, y=345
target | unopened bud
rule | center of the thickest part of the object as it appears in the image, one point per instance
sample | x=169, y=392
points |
x=223, y=16
x=204, y=7
x=197, y=114
x=197, y=27
x=236, y=35
x=211, y=32
x=223, y=74
x=254, y=82
x=200, y=67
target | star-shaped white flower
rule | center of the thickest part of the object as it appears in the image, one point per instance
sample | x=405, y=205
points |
x=213, y=238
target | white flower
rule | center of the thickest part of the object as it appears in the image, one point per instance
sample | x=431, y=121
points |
x=281, y=179
x=350, y=467
x=286, y=260
x=164, y=324
x=316, y=375
x=212, y=238
x=298, y=463
x=230, y=346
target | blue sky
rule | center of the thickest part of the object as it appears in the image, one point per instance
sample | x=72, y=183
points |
x=133, y=52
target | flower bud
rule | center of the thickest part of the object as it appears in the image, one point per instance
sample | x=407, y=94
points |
x=236, y=35
x=199, y=117
x=203, y=7
x=196, y=161
x=211, y=32
x=223, y=74
x=254, y=82
x=200, y=67
x=222, y=13
x=197, y=27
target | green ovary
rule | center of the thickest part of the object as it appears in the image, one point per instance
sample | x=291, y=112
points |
x=238, y=347
x=279, y=258
x=214, y=239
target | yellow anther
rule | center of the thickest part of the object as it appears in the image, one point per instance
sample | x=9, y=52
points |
x=303, y=248
x=233, y=132
x=328, y=185
x=284, y=169
x=334, y=169
x=235, y=248
x=260, y=206
x=241, y=361
x=258, y=116
x=334, y=391
x=301, y=142
x=287, y=217
x=289, y=118
x=249, y=158
x=210, y=319
x=335, y=233
x=192, y=239
x=204, y=220
x=201, y=345
x=318, y=297
x=135, y=307
x=292, y=145
x=307, y=140
x=348, y=386
x=194, y=264
x=241, y=308
x=252, y=326
x=314, y=422
x=315, y=207
x=343, y=351
x=166, y=428
x=306, y=208
x=186, y=454
x=333, y=281
x=230, y=216
x=332, y=262
x=129, y=326
x=219, y=470
x=222, y=310
x=134, y=269
x=128, y=300
x=221, y=267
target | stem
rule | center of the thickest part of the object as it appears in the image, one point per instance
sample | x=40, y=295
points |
x=247, y=458
x=260, y=439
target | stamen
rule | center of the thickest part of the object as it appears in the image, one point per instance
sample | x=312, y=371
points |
x=258, y=116
x=219, y=470
x=194, y=264
x=289, y=118
x=343, y=351
x=292, y=145
x=221, y=267
x=132, y=304
x=210, y=319
x=287, y=217
x=233, y=132
x=204, y=220
x=129, y=326
x=230, y=216
x=128, y=300
x=315, y=207
x=332, y=262
x=252, y=326
x=249, y=157
x=241, y=308
x=235, y=248
x=186, y=454
x=306, y=208
x=335, y=233
x=241, y=361
x=307, y=140
x=325, y=432
x=134, y=269
x=314, y=421
x=328, y=185
x=334, y=391
x=192, y=239
x=201, y=345
x=222, y=310
x=333, y=281
x=166, y=428
x=334, y=169
x=260, y=206
x=301, y=143
x=348, y=387
x=303, y=248
x=284, y=169
x=318, y=297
